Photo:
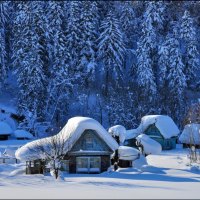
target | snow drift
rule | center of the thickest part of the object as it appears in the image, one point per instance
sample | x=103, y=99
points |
x=70, y=133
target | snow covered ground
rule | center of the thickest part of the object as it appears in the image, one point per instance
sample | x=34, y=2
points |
x=167, y=176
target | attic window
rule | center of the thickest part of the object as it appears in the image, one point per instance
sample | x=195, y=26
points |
x=89, y=142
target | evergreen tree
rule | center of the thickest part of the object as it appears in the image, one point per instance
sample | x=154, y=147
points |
x=28, y=63
x=59, y=81
x=111, y=50
x=73, y=36
x=89, y=25
x=128, y=22
x=189, y=48
x=120, y=107
x=145, y=75
x=4, y=12
x=176, y=79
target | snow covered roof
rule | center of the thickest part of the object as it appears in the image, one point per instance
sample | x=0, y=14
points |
x=190, y=134
x=22, y=134
x=4, y=117
x=71, y=132
x=5, y=129
x=128, y=153
x=118, y=130
x=164, y=123
x=150, y=146
x=133, y=133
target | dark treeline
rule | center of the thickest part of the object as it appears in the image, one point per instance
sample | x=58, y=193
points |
x=115, y=61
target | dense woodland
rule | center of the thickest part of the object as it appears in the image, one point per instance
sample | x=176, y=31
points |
x=114, y=61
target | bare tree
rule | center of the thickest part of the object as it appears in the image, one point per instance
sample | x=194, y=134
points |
x=51, y=149
x=193, y=118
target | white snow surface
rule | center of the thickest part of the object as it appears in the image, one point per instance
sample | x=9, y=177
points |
x=140, y=163
x=118, y=130
x=22, y=134
x=150, y=145
x=164, y=123
x=128, y=153
x=190, y=134
x=70, y=133
x=5, y=128
x=166, y=176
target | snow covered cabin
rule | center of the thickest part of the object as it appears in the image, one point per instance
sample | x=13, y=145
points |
x=160, y=128
x=5, y=131
x=88, y=148
x=190, y=135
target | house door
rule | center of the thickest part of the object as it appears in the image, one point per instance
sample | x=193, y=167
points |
x=88, y=164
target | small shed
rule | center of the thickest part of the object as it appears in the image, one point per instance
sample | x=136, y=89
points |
x=5, y=131
x=22, y=135
x=190, y=135
x=160, y=128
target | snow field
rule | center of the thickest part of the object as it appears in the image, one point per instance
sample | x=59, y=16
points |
x=166, y=176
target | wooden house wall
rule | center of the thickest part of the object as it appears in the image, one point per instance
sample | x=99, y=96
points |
x=96, y=144
x=152, y=130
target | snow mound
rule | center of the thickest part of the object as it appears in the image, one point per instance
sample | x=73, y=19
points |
x=139, y=163
x=119, y=131
x=190, y=134
x=151, y=169
x=128, y=153
x=22, y=134
x=5, y=128
x=150, y=146
x=17, y=172
x=70, y=133
x=164, y=123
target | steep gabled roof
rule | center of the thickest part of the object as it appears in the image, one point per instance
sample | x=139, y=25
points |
x=70, y=133
x=164, y=123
